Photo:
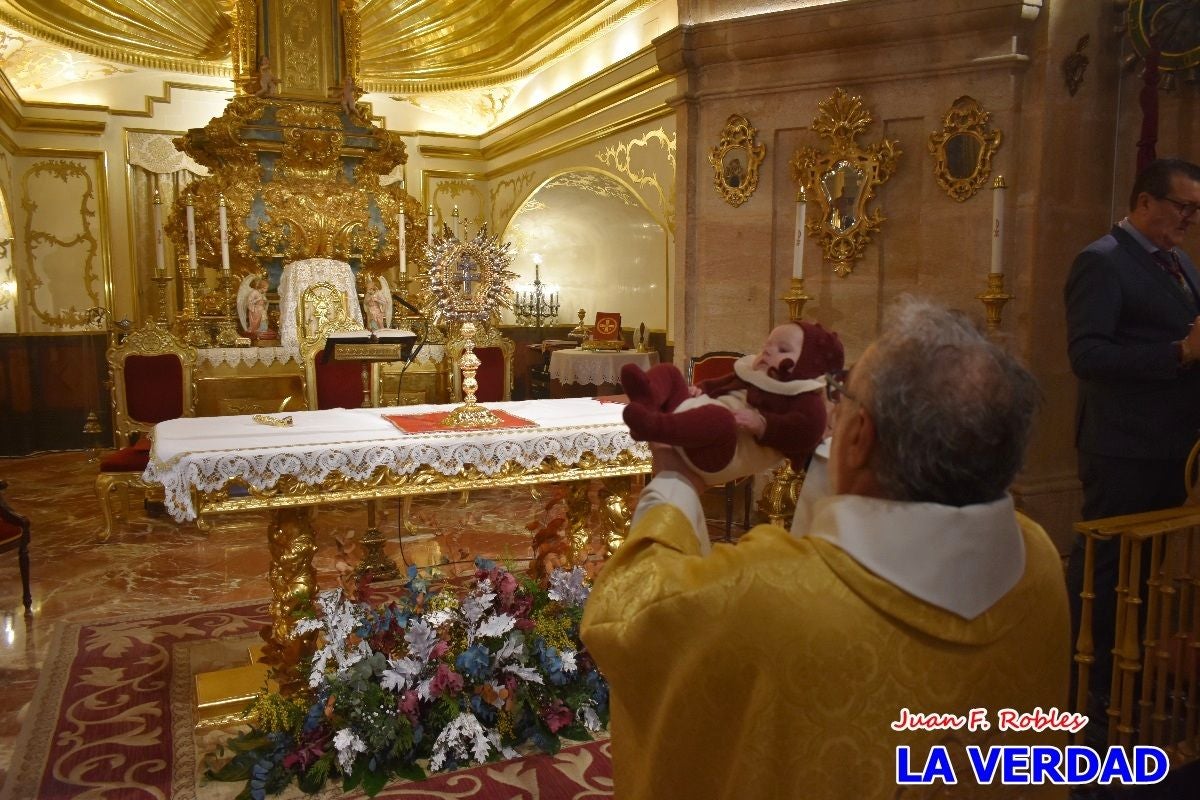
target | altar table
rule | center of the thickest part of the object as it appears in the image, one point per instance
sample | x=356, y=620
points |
x=599, y=368
x=222, y=464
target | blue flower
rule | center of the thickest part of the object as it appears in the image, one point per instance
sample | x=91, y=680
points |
x=474, y=661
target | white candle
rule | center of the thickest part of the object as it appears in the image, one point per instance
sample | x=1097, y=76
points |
x=191, y=237
x=798, y=245
x=401, y=242
x=998, y=189
x=456, y=222
x=431, y=224
x=224, y=236
x=158, y=234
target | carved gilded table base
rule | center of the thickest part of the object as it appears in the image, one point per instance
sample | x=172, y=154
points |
x=292, y=544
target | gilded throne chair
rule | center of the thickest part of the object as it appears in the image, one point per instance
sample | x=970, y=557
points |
x=151, y=375
x=324, y=311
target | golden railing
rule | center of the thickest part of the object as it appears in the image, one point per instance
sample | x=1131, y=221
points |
x=1155, y=690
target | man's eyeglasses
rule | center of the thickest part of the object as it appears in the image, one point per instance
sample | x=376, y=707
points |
x=1185, y=209
x=835, y=386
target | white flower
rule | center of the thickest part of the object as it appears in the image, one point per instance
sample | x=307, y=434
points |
x=514, y=643
x=568, y=587
x=568, y=661
x=437, y=619
x=401, y=673
x=421, y=639
x=477, y=605
x=590, y=719
x=347, y=744
x=464, y=738
x=524, y=673
x=498, y=625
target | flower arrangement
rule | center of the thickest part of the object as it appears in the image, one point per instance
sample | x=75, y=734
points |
x=432, y=679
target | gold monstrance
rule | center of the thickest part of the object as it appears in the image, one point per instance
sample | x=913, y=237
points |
x=470, y=281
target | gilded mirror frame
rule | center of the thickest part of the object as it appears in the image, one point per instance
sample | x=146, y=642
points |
x=843, y=230
x=734, y=180
x=965, y=121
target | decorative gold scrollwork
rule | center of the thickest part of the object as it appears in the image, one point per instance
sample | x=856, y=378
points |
x=841, y=181
x=963, y=149
x=735, y=160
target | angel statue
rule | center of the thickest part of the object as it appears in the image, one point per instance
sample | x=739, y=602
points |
x=377, y=305
x=252, y=305
x=268, y=84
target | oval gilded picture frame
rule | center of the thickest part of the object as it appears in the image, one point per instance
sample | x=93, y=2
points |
x=962, y=150
x=735, y=160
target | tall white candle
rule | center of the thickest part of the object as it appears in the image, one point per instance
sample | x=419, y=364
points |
x=400, y=241
x=159, y=259
x=798, y=244
x=224, y=236
x=191, y=237
x=431, y=224
x=998, y=189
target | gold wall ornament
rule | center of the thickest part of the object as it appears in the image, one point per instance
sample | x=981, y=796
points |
x=842, y=180
x=735, y=160
x=621, y=158
x=962, y=150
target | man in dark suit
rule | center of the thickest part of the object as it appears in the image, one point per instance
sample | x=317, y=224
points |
x=1133, y=300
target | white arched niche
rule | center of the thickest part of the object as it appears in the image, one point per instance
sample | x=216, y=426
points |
x=600, y=249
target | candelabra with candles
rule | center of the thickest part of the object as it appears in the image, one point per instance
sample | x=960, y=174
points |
x=535, y=307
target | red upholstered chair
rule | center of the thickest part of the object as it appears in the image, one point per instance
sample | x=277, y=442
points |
x=324, y=309
x=717, y=364
x=151, y=374
x=14, y=535
x=494, y=375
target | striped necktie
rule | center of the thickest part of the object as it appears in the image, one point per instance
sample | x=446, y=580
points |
x=1170, y=264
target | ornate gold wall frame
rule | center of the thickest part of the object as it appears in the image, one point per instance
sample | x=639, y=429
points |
x=621, y=158
x=735, y=160
x=962, y=150
x=841, y=181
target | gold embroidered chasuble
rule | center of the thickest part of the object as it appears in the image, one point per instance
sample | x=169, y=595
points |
x=773, y=668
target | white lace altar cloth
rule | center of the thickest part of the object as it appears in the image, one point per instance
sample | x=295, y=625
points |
x=247, y=356
x=595, y=366
x=204, y=453
x=298, y=276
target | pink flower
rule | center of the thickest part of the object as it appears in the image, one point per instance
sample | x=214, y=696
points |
x=410, y=705
x=505, y=583
x=445, y=681
x=557, y=716
x=439, y=650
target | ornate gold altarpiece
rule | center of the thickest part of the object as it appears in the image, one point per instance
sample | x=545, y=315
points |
x=301, y=168
x=234, y=464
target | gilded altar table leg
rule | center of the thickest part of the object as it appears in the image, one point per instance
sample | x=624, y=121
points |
x=615, y=497
x=293, y=587
x=374, y=562
x=579, y=512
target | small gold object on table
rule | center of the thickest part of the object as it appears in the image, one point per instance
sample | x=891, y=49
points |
x=92, y=429
x=580, y=332
x=470, y=414
x=469, y=280
x=274, y=422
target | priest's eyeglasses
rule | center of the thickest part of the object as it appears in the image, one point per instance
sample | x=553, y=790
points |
x=1185, y=209
x=835, y=386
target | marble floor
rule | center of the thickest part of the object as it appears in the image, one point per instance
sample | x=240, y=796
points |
x=151, y=563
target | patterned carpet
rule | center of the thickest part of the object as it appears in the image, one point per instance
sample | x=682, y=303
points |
x=113, y=717
x=151, y=563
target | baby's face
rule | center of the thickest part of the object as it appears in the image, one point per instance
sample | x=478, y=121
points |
x=784, y=344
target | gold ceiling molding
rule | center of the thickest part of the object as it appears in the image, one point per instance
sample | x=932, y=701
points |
x=436, y=46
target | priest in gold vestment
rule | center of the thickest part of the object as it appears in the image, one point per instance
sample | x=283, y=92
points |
x=783, y=666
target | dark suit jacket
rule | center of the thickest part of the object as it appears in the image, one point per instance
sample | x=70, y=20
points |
x=1124, y=314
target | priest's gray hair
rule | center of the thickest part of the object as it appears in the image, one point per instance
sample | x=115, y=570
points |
x=952, y=410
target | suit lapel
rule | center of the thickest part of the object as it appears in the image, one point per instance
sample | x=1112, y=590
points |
x=1156, y=273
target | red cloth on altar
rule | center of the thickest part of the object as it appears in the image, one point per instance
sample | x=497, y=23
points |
x=425, y=423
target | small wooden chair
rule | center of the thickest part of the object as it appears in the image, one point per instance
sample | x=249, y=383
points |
x=717, y=364
x=14, y=535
